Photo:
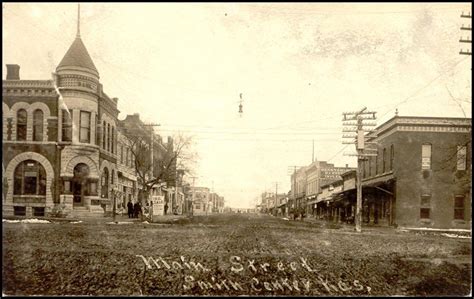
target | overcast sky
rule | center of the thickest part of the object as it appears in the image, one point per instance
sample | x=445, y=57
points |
x=298, y=67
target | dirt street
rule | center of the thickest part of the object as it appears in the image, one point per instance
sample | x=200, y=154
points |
x=233, y=254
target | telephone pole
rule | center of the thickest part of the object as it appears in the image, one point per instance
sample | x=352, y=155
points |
x=468, y=40
x=152, y=135
x=292, y=171
x=357, y=127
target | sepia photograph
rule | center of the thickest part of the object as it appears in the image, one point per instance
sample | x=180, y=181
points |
x=293, y=149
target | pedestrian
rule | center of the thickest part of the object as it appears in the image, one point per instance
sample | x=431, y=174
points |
x=135, y=209
x=130, y=209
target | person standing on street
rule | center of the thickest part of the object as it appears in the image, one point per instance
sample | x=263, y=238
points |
x=130, y=209
x=135, y=209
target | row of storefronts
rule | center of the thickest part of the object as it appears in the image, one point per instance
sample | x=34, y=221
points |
x=420, y=177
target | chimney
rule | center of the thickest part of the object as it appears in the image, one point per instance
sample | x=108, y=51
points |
x=13, y=72
x=347, y=165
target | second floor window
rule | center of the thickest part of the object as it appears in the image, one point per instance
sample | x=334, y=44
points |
x=426, y=156
x=85, y=124
x=392, y=156
x=461, y=157
x=108, y=137
x=104, y=135
x=21, y=121
x=370, y=166
x=384, y=158
x=112, y=135
x=67, y=125
x=38, y=125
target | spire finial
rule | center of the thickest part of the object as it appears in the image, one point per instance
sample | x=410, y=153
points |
x=78, y=20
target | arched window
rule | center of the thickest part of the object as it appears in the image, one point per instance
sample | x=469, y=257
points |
x=104, y=135
x=29, y=179
x=38, y=125
x=108, y=137
x=105, y=183
x=21, y=121
x=384, y=157
x=113, y=139
x=392, y=156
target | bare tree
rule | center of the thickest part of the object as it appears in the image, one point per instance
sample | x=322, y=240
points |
x=168, y=158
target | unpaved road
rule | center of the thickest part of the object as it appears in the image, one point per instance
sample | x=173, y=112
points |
x=237, y=254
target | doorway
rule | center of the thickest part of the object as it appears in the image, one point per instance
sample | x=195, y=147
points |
x=79, y=183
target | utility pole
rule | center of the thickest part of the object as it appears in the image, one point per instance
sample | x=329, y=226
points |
x=292, y=171
x=152, y=135
x=468, y=40
x=359, y=140
x=312, y=160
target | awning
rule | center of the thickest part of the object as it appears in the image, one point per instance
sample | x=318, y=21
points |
x=311, y=202
x=378, y=180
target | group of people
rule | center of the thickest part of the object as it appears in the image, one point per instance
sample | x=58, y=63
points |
x=134, y=210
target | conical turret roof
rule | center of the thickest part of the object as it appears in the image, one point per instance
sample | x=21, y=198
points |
x=78, y=56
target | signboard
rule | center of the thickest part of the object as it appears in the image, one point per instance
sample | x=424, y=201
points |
x=158, y=205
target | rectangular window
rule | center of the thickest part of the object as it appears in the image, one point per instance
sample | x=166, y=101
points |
x=38, y=211
x=126, y=157
x=370, y=166
x=461, y=157
x=121, y=154
x=425, y=206
x=424, y=213
x=85, y=124
x=19, y=211
x=426, y=156
x=459, y=207
x=67, y=125
x=377, y=163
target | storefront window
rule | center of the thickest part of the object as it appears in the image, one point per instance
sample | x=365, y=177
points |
x=29, y=179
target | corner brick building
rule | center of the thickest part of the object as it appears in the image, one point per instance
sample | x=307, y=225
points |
x=421, y=176
x=59, y=140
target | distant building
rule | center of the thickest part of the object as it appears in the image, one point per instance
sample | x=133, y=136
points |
x=201, y=202
x=320, y=173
